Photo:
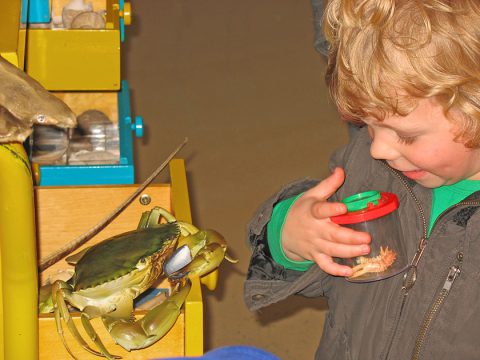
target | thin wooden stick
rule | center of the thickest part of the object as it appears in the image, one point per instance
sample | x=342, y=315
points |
x=51, y=259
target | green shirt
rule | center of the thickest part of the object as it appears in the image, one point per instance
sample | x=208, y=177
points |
x=443, y=198
x=446, y=196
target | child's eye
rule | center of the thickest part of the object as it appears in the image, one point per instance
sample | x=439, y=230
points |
x=407, y=140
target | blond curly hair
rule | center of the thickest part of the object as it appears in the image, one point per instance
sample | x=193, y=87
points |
x=386, y=54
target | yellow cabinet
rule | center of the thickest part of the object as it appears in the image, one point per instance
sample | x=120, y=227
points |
x=12, y=39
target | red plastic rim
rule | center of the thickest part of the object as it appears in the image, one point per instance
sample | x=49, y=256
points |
x=386, y=204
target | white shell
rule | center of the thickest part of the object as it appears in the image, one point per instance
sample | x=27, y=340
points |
x=180, y=258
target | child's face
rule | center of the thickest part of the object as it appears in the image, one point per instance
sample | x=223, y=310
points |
x=421, y=145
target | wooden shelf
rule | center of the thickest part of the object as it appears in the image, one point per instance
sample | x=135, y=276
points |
x=63, y=213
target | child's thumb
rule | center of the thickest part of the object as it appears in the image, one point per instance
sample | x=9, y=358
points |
x=329, y=185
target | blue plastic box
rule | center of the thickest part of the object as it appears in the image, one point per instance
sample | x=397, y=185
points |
x=121, y=173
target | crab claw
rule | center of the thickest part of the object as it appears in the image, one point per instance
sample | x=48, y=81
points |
x=153, y=326
x=210, y=256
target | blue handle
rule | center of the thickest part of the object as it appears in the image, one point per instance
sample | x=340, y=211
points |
x=137, y=126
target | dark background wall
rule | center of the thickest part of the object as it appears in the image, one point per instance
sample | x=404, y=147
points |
x=242, y=81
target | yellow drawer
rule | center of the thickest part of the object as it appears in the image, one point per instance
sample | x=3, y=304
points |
x=77, y=59
x=74, y=59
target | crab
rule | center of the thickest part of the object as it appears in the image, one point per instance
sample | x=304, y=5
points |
x=376, y=264
x=110, y=275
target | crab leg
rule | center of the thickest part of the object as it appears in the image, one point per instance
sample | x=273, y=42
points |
x=365, y=268
x=153, y=326
x=59, y=288
x=152, y=218
x=59, y=309
x=376, y=264
x=94, y=336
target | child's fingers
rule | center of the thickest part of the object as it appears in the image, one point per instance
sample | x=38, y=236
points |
x=327, y=264
x=343, y=235
x=323, y=209
x=344, y=251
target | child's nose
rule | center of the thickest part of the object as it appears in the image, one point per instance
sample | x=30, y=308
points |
x=383, y=148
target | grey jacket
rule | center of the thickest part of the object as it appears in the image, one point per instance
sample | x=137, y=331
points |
x=435, y=317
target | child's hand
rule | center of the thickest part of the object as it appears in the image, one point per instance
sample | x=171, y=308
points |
x=309, y=234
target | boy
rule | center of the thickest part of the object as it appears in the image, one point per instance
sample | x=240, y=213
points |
x=408, y=72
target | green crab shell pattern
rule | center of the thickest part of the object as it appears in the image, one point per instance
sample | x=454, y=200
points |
x=119, y=255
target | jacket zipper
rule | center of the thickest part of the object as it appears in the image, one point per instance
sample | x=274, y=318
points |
x=433, y=310
x=410, y=276
x=437, y=304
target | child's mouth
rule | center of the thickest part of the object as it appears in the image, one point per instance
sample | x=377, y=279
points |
x=414, y=175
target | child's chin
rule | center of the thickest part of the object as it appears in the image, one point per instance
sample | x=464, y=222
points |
x=431, y=183
x=425, y=179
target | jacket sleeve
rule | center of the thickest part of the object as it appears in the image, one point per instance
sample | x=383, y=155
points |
x=262, y=265
x=268, y=282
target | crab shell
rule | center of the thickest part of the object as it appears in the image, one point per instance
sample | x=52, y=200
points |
x=121, y=255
